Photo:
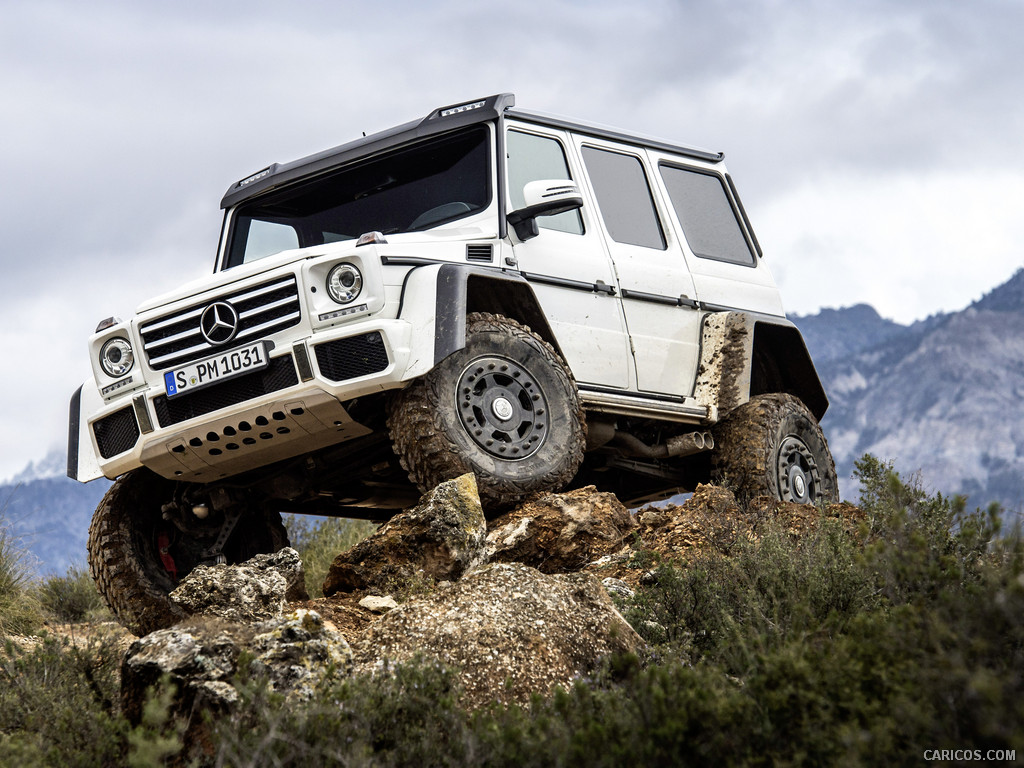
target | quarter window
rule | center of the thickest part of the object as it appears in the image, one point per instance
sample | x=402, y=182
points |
x=625, y=198
x=532, y=158
x=707, y=217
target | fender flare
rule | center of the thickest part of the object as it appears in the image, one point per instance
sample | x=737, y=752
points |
x=458, y=290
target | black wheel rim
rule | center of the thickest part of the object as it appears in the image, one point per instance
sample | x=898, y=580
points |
x=502, y=408
x=799, y=480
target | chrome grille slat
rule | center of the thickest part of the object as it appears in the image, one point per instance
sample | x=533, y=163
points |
x=267, y=307
x=161, y=324
x=176, y=339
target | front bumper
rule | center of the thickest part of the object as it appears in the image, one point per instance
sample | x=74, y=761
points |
x=290, y=408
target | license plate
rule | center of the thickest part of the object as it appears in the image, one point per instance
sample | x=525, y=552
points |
x=215, y=369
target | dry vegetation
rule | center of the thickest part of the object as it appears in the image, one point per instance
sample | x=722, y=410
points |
x=819, y=637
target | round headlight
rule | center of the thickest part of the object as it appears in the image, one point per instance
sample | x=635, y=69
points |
x=116, y=357
x=344, y=283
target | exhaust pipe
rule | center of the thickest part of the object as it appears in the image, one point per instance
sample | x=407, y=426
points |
x=680, y=445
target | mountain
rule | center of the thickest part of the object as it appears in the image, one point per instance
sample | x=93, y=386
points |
x=940, y=397
x=48, y=513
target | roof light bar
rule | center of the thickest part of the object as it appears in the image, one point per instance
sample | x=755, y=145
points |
x=462, y=108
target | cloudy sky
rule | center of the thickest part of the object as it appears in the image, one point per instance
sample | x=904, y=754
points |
x=877, y=145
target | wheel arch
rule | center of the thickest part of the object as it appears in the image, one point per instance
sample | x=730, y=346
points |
x=462, y=290
x=781, y=363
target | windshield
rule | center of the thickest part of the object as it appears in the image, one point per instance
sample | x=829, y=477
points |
x=406, y=190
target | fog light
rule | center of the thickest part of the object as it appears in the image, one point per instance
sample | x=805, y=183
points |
x=344, y=283
x=116, y=357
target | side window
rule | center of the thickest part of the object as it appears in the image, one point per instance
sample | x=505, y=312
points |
x=531, y=158
x=268, y=237
x=625, y=198
x=706, y=215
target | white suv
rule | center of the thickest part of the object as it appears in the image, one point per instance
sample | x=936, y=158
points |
x=536, y=300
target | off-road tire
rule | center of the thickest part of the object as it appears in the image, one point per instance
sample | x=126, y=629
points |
x=504, y=371
x=124, y=559
x=773, y=446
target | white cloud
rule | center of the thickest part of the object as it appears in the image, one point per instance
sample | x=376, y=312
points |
x=910, y=244
x=866, y=138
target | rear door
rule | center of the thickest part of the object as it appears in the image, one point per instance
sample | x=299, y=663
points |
x=656, y=288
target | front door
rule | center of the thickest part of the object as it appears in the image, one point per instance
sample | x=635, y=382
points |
x=568, y=267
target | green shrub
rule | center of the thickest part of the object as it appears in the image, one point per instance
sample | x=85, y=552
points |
x=319, y=540
x=406, y=715
x=73, y=597
x=58, y=704
x=19, y=609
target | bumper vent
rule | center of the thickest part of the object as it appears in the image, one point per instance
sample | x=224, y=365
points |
x=352, y=357
x=261, y=310
x=116, y=433
x=279, y=374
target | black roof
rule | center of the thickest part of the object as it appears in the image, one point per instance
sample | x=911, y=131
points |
x=440, y=120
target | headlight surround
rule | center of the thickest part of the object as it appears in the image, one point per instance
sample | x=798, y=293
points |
x=344, y=283
x=117, y=357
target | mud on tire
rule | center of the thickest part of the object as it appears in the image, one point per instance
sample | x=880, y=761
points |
x=504, y=407
x=124, y=552
x=773, y=446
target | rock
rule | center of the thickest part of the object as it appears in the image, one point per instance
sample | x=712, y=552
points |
x=251, y=591
x=510, y=630
x=295, y=652
x=617, y=587
x=200, y=659
x=560, y=532
x=378, y=604
x=438, y=539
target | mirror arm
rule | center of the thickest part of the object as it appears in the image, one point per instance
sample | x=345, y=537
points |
x=524, y=222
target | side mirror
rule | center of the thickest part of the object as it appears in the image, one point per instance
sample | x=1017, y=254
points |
x=546, y=197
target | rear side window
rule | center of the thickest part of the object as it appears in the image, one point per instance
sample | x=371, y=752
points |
x=625, y=198
x=707, y=217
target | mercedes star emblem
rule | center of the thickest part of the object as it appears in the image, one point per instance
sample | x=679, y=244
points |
x=219, y=323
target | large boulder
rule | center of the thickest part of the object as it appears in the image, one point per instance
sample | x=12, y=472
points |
x=251, y=591
x=560, y=532
x=438, y=539
x=509, y=629
x=200, y=659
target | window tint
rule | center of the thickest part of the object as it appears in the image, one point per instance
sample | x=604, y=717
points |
x=706, y=215
x=531, y=158
x=625, y=198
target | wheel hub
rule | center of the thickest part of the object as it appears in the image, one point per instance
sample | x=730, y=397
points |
x=502, y=407
x=799, y=479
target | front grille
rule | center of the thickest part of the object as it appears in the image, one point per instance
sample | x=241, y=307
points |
x=116, y=433
x=352, y=357
x=278, y=375
x=177, y=339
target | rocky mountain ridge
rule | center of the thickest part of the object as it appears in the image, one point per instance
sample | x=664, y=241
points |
x=939, y=397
